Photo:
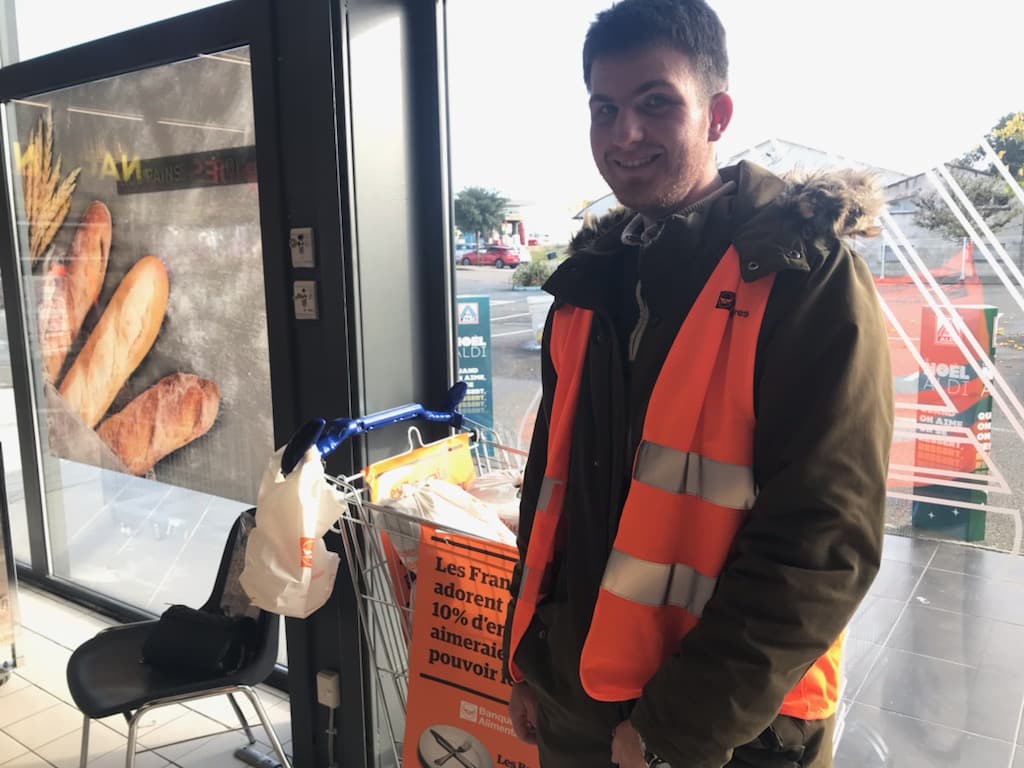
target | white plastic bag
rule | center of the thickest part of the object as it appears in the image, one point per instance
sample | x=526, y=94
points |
x=288, y=570
x=442, y=503
x=500, y=488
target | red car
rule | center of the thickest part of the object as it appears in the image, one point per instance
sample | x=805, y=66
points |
x=499, y=256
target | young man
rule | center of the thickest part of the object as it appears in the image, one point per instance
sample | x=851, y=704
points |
x=704, y=499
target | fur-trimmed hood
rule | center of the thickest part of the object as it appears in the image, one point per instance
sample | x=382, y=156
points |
x=819, y=205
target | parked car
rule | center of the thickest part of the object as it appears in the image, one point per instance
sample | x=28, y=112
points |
x=498, y=256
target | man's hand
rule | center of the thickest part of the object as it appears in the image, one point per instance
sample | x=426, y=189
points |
x=522, y=708
x=626, y=751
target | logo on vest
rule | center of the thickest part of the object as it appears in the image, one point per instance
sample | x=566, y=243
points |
x=727, y=301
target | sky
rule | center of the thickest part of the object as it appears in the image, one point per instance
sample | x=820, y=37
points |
x=900, y=84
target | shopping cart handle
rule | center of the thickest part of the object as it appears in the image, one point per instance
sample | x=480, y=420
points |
x=328, y=435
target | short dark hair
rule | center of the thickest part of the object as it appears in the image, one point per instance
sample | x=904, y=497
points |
x=689, y=26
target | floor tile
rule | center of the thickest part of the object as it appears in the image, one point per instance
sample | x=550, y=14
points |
x=875, y=618
x=25, y=703
x=27, y=760
x=219, y=708
x=979, y=562
x=981, y=701
x=45, y=726
x=115, y=759
x=149, y=722
x=216, y=752
x=942, y=634
x=896, y=579
x=281, y=713
x=68, y=628
x=185, y=729
x=859, y=656
x=1004, y=647
x=908, y=550
x=10, y=748
x=1018, y=761
x=269, y=694
x=39, y=608
x=877, y=739
x=14, y=683
x=973, y=595
x=44, y=664
x=65, y=751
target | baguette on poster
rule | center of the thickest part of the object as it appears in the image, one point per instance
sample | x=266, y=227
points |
x=121, y=339
x=172, y=413
x=71, y=288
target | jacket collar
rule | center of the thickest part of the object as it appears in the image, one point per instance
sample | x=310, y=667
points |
x=776, y=225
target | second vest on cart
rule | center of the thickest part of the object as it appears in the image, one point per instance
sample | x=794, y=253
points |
x=691, y=490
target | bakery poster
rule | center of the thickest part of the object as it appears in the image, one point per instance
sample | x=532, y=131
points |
x=458, y=691
x=138, y=221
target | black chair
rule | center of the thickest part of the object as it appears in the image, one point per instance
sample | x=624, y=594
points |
x=107, y=675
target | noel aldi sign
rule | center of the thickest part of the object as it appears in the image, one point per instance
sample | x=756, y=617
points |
x=949, y=368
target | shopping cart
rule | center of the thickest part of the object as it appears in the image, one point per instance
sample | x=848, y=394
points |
x=377, y=539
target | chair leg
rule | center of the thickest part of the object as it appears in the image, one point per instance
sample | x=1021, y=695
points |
x=84, y=759
x=267, y=725
x=133, y=736
x=241, y=718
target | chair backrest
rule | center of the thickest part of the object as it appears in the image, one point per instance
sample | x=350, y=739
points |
x=228, y=597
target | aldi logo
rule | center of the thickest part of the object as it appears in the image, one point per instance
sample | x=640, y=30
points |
x=943, y=335
x=469, y=313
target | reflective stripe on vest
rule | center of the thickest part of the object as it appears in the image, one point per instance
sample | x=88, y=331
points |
x=728, y=485
x=692, y=487
x=657, y=584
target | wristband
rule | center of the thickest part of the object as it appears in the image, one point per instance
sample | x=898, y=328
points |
x=651, y=760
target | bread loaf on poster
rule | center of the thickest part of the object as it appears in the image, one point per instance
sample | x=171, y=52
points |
x=122, y=337
x=170, y=414
x=72, y=287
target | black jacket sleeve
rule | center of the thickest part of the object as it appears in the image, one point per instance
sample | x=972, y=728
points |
x=812, y=543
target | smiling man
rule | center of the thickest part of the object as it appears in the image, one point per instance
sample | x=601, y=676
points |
x=704, y=499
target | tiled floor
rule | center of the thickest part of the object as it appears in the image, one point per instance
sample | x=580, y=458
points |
x=40, y=727
x=935, y=661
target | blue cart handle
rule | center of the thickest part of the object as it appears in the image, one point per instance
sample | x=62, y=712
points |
x=328, y=435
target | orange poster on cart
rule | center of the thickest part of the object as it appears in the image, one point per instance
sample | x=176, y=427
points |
x=457, y=712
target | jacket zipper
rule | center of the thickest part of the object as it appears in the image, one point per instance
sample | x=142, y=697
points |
x=636, y=336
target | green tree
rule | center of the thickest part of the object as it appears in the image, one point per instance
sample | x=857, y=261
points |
x=1007, y=139
x=479, y=211
x=988, y=194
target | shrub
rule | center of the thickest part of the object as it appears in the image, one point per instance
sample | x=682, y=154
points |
x=532, y=273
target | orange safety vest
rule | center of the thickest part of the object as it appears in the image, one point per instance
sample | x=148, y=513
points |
x=692, y=486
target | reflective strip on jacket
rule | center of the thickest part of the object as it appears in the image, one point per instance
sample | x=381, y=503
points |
x=691, y=489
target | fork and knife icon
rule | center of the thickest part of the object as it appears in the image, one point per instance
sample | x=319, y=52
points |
x=453, y=751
